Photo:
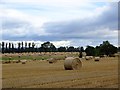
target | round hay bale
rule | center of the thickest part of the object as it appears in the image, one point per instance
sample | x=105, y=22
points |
x=97, y=59
x=105, y=55
x=17, y=61
x=84, y=54
x=87, y=58
x=51, y=60
x=23, y=61
x=72, y=63
x=83, y=58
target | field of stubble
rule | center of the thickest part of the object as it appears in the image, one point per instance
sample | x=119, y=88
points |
x=41, y=74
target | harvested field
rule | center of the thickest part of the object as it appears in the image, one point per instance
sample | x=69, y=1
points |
x=41, y=74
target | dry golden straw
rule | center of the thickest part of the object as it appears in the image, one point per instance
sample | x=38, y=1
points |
x=72, y=63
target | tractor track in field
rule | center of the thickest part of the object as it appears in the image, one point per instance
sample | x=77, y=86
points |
x=35, y=74
x=37, y=82
x=75, y=82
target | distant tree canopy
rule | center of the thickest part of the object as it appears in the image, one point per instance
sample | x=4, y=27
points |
x=48, y=47
x=82, y=49
x=62, y=49
x=71, y=49
x=90, y=51
x=119, y=49
x=107, y=48
x=103, y=49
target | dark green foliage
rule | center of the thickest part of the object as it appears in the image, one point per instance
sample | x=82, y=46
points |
x=71, y=49
x=25, y=45
x=97, y=51
x=19, y=49
x=61, y=49
x=48, y=47
x=82, y=49
x=90, y=51
x=107, y=48
x=12, y=48
x=118, y=49
x=33, y=47
x=103, y=49
x=3, y=48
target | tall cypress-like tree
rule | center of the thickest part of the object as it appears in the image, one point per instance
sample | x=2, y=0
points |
x=22, y=45
x=25, y=47
x=9, y=47
x=3, y=48
x=29, y=45
x=6, y=46
x=13, y=48
x=33, y=47
x=22, y=48
x=19, y=50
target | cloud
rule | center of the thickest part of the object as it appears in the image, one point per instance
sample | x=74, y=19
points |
x=104, y=25
x=61, y=43
x=62, y=22
x=17, y=24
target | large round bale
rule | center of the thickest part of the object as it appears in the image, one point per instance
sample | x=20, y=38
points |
x=72, y=63
x=97, y=59
x=52, y=60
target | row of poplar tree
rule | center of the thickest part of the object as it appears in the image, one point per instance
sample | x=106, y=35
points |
x=103, y=49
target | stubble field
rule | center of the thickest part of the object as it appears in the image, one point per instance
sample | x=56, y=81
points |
x=41, y=74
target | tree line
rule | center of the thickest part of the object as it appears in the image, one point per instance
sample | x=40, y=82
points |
x=103, y=49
